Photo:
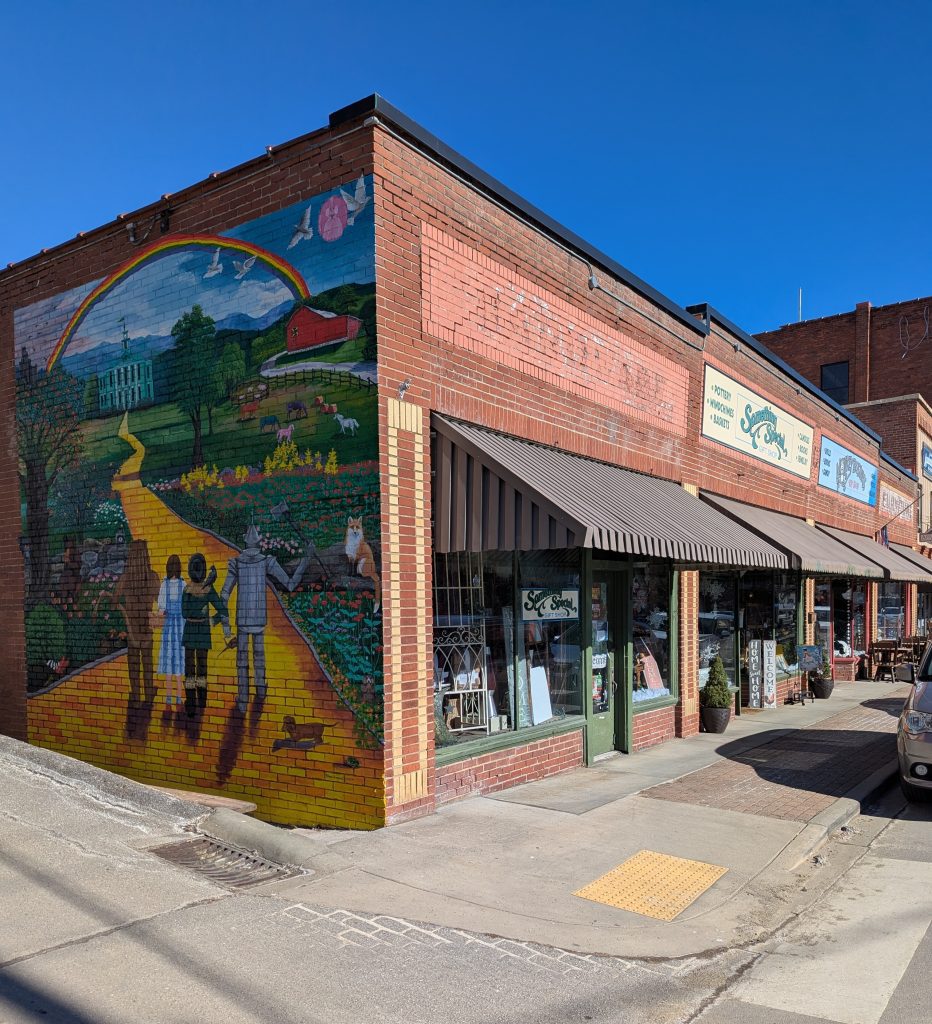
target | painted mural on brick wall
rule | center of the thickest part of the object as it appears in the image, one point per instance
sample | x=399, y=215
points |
x=198, y=466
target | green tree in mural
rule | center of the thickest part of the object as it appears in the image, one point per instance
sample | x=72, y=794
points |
x=48, y=406
x=231, y=368
x=195, y=354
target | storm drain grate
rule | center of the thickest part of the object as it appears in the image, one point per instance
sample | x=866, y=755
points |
x=222, y=863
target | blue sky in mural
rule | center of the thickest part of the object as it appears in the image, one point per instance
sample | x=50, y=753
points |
x=150, y=300
x=724, y=151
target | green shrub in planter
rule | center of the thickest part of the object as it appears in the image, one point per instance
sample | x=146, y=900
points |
x=715, y=693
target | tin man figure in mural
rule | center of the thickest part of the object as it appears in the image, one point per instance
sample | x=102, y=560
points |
x=248, y=573
x=196, y=601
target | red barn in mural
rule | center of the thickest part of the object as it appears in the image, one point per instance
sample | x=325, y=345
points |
x=310, y=328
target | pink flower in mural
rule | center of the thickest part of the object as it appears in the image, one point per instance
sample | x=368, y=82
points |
x=332, y=220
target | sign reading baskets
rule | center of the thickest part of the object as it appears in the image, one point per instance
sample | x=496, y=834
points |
x=845, y=473
x=735, y=416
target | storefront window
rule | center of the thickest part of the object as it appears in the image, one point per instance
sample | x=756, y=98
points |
x=506, y=652
x=924, y=610
x=716, y=623
x=891, y=610
x=650, y=610
x=786, y=608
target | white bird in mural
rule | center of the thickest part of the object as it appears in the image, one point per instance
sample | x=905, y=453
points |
x=302, y=230
x=216, y=267
x=356, y=203
x=242, y=269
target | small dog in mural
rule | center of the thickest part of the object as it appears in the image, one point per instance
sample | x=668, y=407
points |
x=347, y=424
x=300, y=735
x=360, y=556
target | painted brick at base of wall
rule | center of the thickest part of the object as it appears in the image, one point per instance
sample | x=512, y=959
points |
x=652, y=727
x=501, y=769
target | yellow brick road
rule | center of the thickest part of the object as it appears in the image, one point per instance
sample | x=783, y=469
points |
x=87, y=714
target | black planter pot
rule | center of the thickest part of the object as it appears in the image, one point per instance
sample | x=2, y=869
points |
x=715, y=719
x=822, y=688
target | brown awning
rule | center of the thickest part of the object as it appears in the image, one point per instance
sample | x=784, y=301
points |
x=492, y=492
x=809, y=549
x=917, y=558
x=895, y=566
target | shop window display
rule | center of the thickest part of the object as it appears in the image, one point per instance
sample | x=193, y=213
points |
x=650, y=613
x=891, y=610
x=716, y=623
x=769, y=611
x=507, y=651
x=924, y=610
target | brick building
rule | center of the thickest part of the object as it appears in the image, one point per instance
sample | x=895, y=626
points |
x=518, y=551
x=876, y=361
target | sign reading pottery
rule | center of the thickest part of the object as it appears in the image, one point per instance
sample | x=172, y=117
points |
x=755, y=673
x=738, y=417
x=927, y=462
x=539, y=604
x=770, y=674
x=896, y=505
x=845, y=473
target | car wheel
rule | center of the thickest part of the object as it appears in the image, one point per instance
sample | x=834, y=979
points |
x=913, y=793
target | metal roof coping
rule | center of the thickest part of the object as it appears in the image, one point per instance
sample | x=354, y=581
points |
x=380, y=107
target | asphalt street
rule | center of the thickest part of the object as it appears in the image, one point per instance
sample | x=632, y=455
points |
x=94, y=929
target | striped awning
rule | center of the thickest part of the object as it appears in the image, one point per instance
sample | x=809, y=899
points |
x=917, y=558
x=810, y=550
x=493, y=492
x=895, y=566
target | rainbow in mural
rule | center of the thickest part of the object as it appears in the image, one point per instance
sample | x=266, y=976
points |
x=198, y=446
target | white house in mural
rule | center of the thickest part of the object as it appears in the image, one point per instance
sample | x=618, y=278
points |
x=126, y=385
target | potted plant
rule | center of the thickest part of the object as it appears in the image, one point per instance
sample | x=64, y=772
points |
x=821, y=682
x=715, y=699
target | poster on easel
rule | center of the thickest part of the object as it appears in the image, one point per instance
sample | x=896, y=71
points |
x=755, y=673
x=770, y=674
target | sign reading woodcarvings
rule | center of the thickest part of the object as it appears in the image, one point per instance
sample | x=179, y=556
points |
x=770, y=674
x=842, y=471
x=735, y=416
x=892, y=503
x=755, y=673
x=539, y=604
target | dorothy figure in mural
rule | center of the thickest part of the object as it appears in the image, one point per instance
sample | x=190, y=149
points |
x=171, y=652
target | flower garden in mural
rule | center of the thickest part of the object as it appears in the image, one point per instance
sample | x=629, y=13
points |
x=177, y=408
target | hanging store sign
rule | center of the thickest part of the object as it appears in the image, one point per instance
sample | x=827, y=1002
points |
x=539, y=604
x=896, y=505
x=842, y=471
x=770, y=674
x=755, y=674
x=927, y=462
x=738, y=417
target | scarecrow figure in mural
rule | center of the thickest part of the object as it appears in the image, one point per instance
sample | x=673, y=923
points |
x=196, y=601
x=248, y=573
x=136, y=594
x=171, y=651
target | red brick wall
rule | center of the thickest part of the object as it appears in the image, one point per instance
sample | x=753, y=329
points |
x=652, y=727
x=501, y=769
x=807, y=346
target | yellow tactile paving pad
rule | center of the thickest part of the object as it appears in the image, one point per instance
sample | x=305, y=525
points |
x=653, y=884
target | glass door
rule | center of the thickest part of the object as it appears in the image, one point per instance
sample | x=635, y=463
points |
x=606, y=721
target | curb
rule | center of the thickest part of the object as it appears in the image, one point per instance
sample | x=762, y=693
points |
x=818, y=830
x=276, y=844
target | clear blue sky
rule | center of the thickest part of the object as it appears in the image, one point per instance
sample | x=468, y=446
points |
x=726, y=152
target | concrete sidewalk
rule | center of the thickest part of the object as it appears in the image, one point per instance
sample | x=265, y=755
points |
x=509, y=864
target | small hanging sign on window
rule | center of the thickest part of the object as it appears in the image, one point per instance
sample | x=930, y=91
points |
x=539, y=604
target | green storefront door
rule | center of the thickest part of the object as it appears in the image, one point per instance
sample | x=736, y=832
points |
x=606, y=726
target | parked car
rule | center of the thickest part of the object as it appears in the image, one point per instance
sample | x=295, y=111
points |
x=914, y=732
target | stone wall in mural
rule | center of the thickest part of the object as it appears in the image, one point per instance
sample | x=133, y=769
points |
x=198, y=452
